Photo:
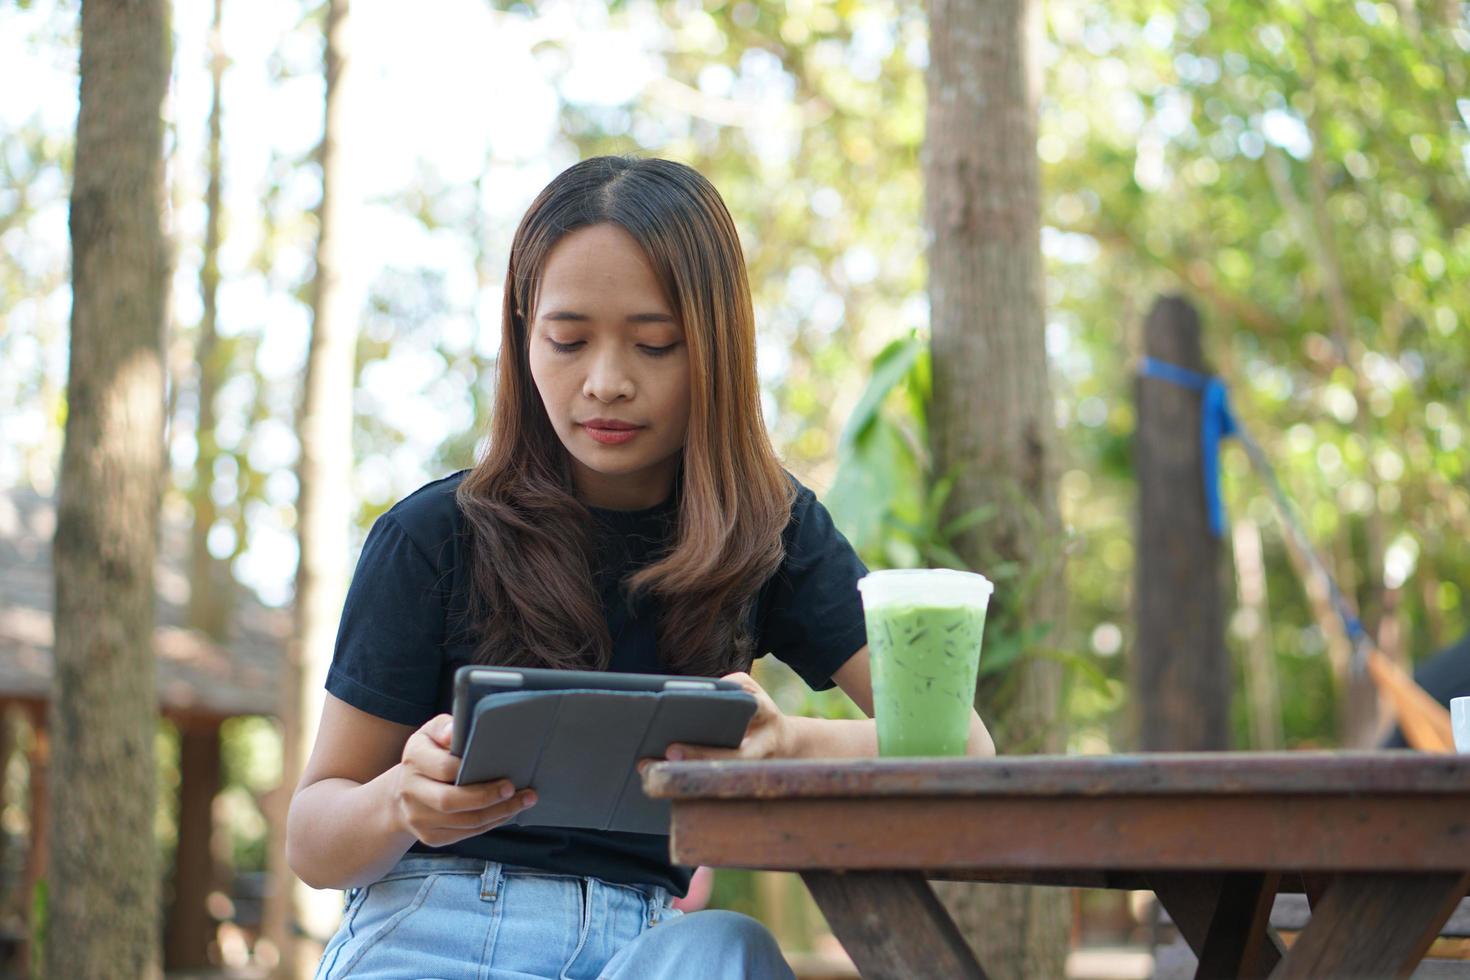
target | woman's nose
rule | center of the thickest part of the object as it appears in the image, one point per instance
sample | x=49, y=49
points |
x=608, y=380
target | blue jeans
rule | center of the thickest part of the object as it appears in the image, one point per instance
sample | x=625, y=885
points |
x=443, y=917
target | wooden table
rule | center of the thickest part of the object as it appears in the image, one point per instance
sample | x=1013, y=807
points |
x=1380, y=843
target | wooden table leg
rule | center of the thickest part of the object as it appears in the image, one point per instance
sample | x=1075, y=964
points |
x=1373, y=925
x=1238, y=943
x=1314, y=886
x=1225, y=918
x=892, y=925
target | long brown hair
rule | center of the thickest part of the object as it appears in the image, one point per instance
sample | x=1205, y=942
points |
x=533, y=601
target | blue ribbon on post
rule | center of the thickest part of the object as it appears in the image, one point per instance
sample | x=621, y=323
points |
x=1216, y=423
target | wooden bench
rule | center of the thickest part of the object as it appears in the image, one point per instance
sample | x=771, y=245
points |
x=1448, y=956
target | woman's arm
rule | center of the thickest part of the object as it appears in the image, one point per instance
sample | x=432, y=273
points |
x=775, y=735
x=372, y=787
x=834, y=738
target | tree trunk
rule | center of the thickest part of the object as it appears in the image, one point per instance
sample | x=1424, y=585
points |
x=323, y=522
x=103, y=914
x=210, y=584
x=1181, y=669
x=992, y=418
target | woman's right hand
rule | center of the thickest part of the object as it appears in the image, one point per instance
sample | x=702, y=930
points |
x=434, y=810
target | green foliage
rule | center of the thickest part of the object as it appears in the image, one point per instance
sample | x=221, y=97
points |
x=892, y=506
x=1256, y=157
x=882, y=458
x=39, y=919
x=166, y=747
x=250, y=756
x=735, y=890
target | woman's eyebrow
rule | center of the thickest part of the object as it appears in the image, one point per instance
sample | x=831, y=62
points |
x=574, y=317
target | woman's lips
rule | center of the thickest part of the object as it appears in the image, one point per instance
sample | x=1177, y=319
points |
x=610, y=437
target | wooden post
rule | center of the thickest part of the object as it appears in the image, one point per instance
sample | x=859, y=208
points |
x=190, y=928
x=1181, y=670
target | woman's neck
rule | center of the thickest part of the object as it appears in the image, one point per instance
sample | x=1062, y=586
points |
x=632, y=491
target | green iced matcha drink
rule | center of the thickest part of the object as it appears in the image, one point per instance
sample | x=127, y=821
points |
x=924, y=633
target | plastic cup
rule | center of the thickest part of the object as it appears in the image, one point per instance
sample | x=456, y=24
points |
x=924, y=631
x=1460, y=720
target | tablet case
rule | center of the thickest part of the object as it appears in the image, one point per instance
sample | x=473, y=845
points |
x=474, y=681
x=579, y=749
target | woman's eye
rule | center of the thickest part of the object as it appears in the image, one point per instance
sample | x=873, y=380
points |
x=657, y=351
x=561, y=348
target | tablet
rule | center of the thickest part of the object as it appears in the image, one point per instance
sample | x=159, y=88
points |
x=579, y=747
x=473, y=682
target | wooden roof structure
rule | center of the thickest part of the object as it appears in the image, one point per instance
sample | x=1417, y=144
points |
x=200, y=683
x=198, y=678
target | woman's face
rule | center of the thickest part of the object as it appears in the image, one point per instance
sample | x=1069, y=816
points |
x=608, y=357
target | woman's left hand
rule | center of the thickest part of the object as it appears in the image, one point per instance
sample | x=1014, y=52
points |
x=768, y=736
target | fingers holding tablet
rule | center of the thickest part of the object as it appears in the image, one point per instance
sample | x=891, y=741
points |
x=434, y=810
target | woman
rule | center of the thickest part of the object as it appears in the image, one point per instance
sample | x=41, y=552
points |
x=629, y=515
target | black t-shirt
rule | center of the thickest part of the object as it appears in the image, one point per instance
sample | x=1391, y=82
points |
x=396, y=655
